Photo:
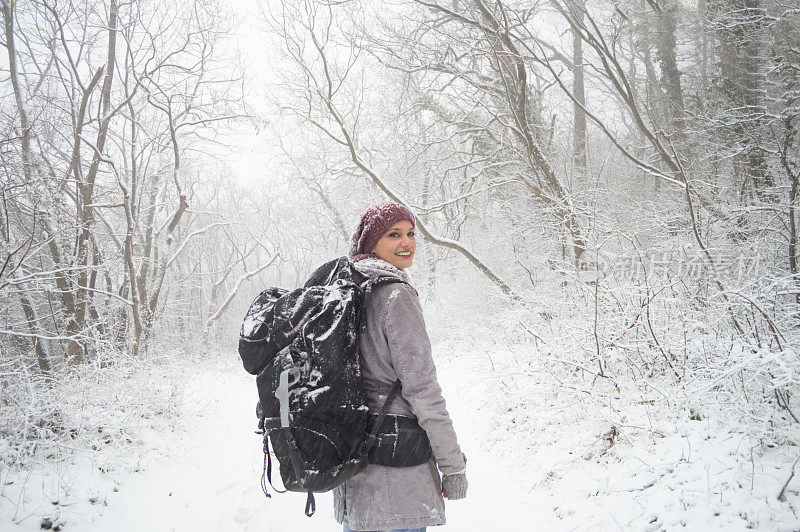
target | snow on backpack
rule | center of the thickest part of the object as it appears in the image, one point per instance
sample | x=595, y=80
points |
x=303, y=345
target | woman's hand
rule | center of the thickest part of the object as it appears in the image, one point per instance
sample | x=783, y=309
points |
x=455, y=486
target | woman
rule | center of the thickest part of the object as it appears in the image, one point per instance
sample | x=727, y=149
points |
x=395, y=346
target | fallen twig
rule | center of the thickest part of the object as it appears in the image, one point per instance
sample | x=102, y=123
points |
x=781, y=497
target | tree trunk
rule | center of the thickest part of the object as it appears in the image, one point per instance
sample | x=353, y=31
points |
x=673, y=108
x=32, y=322
x=792, y=171
x=86, y=193
x=8, y=24
x=556, y=196
x=742, y=83
x=703, y=46
x=578, y=90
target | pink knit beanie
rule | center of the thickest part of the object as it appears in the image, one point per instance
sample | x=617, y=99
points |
x=374, y=222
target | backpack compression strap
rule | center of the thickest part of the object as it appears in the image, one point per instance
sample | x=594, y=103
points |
x=288, y=377
x=266, y=473
x=311, y=506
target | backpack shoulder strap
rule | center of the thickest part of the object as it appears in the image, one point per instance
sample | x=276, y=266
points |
x=367, y=287
x=373, y=435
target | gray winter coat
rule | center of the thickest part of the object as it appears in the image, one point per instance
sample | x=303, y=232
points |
x=396, y=346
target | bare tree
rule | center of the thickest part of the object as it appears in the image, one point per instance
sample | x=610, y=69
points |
x=135, y=85
x=323, y=81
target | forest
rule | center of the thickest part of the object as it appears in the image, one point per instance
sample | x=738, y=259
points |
x=605, y=192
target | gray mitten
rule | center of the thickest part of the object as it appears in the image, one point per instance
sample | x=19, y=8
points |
x=455, y=486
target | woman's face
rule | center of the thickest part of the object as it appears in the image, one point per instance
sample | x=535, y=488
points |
x=397, y=245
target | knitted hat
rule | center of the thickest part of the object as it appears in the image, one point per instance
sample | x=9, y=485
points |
x=373, y=224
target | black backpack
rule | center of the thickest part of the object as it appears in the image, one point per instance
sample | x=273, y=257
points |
x=304, y=347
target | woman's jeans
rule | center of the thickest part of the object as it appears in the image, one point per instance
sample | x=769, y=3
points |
x=346, y=527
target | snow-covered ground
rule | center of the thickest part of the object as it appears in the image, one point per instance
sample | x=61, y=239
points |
x=578, y=462
x=205, y=475
x=543, y=454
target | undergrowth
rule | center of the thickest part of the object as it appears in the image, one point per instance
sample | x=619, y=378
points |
x=45, y=417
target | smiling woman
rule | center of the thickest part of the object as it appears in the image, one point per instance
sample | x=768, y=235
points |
x=404, y=491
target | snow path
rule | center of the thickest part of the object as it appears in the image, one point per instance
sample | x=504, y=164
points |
x=210, y=479
x=537, y=460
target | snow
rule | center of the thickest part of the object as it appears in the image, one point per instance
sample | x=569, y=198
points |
x=314, y=377
x=609, y=460
x=203, y=476
x=253, y=321
x=546, y=450
x=312, y=395
x=335, y=298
